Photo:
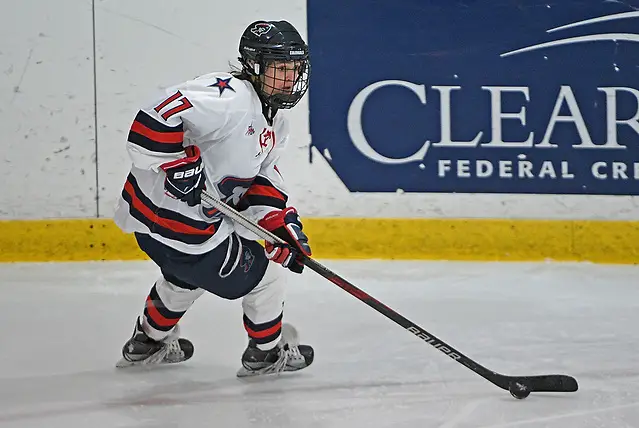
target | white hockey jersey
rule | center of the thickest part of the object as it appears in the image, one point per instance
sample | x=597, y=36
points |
x=222, y=115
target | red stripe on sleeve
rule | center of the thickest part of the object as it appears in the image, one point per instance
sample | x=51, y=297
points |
x=158, y=137
x=260, y=190
x=173, y=225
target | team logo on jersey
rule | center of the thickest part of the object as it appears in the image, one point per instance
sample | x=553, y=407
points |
x=222, y=85
x=230, y=191
x=267, y=141
x=233, y=188
x=250, y=130
x=261, y=28
x=247, y=259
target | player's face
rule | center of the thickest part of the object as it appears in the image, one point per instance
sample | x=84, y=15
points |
x=280, y=77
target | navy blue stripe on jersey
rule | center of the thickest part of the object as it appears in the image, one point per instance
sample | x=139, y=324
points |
x=157, y=315
x=262, y=192
x=264, y=332
x=155, y=136
x=162, y=221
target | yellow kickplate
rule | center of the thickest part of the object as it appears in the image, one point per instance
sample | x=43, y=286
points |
x=358, y=238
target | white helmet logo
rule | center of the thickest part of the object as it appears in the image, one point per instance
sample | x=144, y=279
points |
x=261, y=28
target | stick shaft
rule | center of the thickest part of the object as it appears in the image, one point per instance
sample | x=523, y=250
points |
x=547, y=383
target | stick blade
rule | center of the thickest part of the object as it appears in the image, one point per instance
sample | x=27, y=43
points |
x=548, y=383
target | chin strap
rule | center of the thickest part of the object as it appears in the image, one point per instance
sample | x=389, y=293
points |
x=267, y=111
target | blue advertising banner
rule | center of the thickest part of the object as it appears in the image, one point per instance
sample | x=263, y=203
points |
x=520, y=96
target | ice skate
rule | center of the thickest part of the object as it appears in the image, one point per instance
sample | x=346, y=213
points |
x=287, y=356
x=140, y=349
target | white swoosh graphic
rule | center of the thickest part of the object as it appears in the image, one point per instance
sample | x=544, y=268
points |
x=581, y=39
x=623, y=15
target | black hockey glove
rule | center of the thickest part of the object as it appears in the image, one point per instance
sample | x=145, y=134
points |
x=286, y=224
x=185, y=177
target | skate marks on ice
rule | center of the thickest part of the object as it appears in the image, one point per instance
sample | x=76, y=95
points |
x=106, y=395
x=515, y=318
x=560, y=420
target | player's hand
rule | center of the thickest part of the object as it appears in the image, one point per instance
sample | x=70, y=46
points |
x=185, y=177
x=286, y=224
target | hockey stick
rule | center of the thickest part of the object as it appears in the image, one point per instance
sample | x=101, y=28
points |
x=519, y=386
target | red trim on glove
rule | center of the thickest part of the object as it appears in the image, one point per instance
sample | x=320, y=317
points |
x=192, y=155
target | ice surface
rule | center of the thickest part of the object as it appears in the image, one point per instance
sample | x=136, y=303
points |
x=62, y=327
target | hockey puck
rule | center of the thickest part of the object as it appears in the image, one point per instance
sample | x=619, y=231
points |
x=519, y=390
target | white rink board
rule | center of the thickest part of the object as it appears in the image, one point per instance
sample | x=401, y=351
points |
x=142, y=46
x=47, y=166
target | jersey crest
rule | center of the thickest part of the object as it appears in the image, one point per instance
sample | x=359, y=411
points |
x=267, y=141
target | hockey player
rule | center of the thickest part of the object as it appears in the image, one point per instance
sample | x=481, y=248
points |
x=220, y=132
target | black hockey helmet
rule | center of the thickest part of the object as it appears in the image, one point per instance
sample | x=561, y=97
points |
x=266, y=43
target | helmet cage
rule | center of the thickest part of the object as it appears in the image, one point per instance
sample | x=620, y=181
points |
x=256, y=59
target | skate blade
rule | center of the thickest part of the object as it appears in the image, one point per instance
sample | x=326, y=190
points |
x=155, y=360
x=244, y=372
x=122, y=363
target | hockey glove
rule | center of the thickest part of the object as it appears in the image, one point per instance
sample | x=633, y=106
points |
x=185, y=177
x=286, y=224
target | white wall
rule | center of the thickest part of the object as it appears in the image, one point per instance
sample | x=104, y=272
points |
x=46, y=110
x=48, y=165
